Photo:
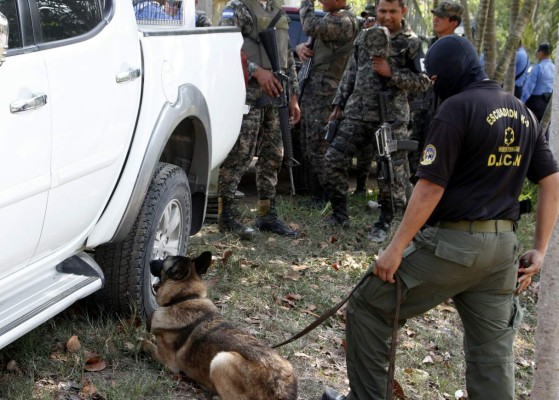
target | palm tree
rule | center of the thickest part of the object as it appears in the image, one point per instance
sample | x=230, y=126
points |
x=514, y=39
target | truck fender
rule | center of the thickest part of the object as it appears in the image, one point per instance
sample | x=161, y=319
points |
x=185, y=123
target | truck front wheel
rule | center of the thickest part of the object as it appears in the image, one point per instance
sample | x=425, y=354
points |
x=161, y=229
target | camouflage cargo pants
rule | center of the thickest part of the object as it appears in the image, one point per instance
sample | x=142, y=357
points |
x=316, y=107
x=355, y=136
x=260, y=136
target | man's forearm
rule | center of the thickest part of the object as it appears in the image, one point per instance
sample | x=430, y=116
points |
x=425, y=197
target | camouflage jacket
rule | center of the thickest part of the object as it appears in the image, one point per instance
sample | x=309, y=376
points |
x=360, y=87
x=331, y=35
x=242, y=18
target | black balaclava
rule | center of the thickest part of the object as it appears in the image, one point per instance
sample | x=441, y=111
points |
x=455, y=62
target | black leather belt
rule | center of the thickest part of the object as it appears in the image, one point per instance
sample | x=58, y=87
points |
x=489, y=226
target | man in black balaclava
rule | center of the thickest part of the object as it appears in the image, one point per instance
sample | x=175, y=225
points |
x=455, y=63
x=457, y=238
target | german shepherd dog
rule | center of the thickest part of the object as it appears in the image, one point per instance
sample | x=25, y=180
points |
x=193, y=338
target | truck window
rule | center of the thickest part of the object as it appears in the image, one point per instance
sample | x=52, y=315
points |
x=158, y=12
x=9, y=9
x=63, y=19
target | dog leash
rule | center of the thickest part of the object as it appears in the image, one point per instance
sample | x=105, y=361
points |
x=324, y=316
x=393, y=344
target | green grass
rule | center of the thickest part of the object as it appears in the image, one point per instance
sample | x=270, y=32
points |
x=273, y=287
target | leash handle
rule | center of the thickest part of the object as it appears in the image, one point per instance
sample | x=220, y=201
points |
x=392, y=354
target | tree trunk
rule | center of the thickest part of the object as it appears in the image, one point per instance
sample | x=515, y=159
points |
x=511, y=68
x=481, y=21
x=218, y=6
x=546, y=384
x=490, y=41
x=466, y=21
x=514, y=38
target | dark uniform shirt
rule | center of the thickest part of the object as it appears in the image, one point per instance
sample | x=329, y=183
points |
x=480, y=145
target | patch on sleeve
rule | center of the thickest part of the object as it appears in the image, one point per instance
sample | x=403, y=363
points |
x=429, y=155
x=227, y=13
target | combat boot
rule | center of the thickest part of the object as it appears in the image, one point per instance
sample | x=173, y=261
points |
x=339, y=215
x=227, y=221
x=268, y=220
x=331, y=394
x=380, y=229
x=360, y=183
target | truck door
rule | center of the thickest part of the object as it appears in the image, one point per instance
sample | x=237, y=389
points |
x=94, y=64
x=25, y=145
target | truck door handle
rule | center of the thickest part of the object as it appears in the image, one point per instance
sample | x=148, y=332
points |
x=130, y=75
x=37, y=100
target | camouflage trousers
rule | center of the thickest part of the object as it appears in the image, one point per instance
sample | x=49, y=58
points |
x=260, y=136
x=316, y=107
x=357, y=137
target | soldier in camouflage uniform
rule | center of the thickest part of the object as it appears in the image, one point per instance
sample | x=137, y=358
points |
x=358, y=96
x=332, y=38
x=260, y=134
x=202, y=19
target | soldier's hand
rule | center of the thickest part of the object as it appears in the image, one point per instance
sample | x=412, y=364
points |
x=381, y=66
x=268, y=82
x=304, y=52
x=531, y=262
x=336, y=113
x=387, y=264
x=294, y=110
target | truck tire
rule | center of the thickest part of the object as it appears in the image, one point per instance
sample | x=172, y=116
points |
x=161, y=229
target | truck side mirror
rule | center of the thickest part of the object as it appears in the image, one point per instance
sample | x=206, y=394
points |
x=4, y=35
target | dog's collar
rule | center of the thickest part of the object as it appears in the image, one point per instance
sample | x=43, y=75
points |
x=180, y=299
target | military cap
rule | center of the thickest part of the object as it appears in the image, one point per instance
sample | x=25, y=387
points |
x=544, y=47
x=448, y=9
x=369, y=11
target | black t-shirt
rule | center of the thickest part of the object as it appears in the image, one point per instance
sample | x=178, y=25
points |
x=481, y=145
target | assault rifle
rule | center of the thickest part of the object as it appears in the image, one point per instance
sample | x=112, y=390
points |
x=386, y=145
x=270, y=44
x=377, y=43
x=305, y=70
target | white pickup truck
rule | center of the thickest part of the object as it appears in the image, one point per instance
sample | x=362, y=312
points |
x=109, y=129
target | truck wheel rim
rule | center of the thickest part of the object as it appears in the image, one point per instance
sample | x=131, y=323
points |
x=169, y=232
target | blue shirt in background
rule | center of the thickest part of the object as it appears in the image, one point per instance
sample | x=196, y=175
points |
x=152, y=10
x=521, y=67
x=540, y=80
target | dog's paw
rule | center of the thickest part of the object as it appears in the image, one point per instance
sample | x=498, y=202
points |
x=147, y=346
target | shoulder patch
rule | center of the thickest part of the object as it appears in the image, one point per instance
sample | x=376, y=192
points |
x=228, y=13
x=429, y=155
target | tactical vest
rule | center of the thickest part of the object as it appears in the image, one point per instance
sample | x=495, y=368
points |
x=261, y=20
x=330, y=60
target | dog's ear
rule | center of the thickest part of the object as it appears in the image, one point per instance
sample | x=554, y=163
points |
x=180, y=268
x=203, y=262
x=155, y=267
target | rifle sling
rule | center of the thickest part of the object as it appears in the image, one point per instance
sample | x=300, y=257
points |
x=275, y=20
